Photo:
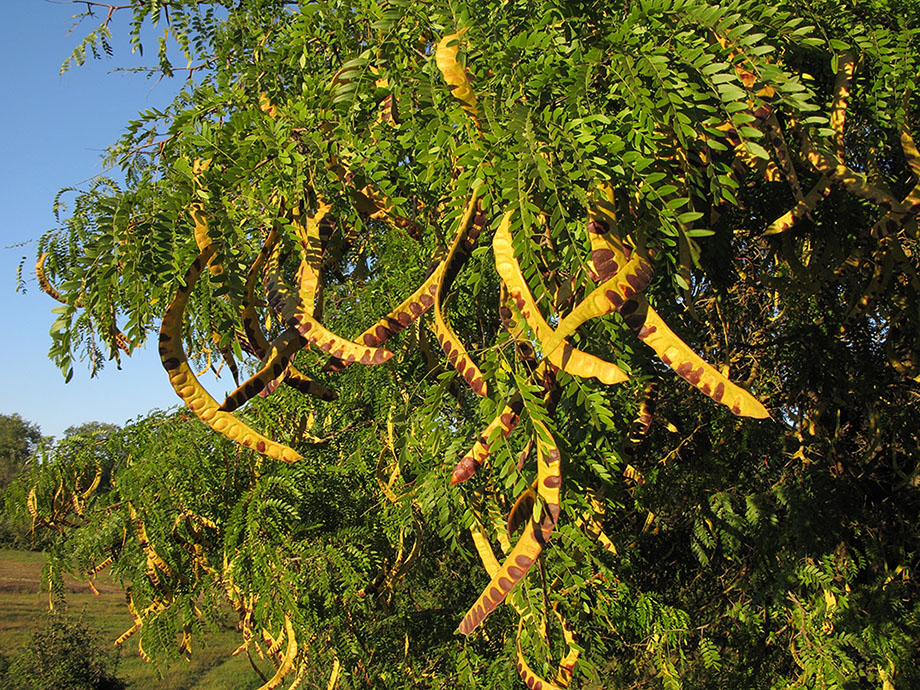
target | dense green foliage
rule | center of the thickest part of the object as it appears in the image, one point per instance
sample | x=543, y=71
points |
x=17, y=441
x=745, y=553
x=63, y=655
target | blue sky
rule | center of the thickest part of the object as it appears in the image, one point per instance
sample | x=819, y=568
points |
x=55, y=129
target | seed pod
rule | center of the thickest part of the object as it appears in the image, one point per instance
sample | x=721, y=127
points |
x=506, y=420
x=296, y=316
x=531, y=679
x=445, y=57
x=531, y=542
x=563, y=355
x=186, y=385
x=654, y=332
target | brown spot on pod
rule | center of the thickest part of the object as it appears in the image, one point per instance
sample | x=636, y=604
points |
x=404, y=318
x=635, y=321
x=461, y=367
x=706, y=388
x=598, y=226
x=524, y=561
x=646, y=331
x=447, y=346
x=629, y=307
x=508, y=419
x=605, y=264
x=371, y=340
x=465, y=469
x=260, y=446
x=695, y=376
x=505, y=584
x=614, y=298
x=380, y=356
x=382, y=334
x=515, y=572
x=453, y=357
x=478, y=386
x=683, y=369
x=554, y=481
x=718, y=392
x=416, y=309
x=171, y=363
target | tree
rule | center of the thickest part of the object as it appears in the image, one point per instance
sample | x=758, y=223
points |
x=63, y=655
x=586, y=182
x=17, y=441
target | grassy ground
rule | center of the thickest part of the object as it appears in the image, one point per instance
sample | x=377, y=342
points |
x=22, y=607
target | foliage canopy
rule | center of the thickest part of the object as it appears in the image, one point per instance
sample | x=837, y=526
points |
x=744, y=172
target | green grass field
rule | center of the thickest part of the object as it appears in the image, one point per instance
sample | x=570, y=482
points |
x=22, y=608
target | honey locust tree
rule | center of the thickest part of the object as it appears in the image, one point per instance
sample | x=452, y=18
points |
x=585, y=330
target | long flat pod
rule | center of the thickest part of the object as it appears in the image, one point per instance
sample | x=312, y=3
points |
x=536, y=533
x=470, y=227
x=654, y=332
x=788, y=220
x=250, y=319
x=445, y=57
x=121, y=342
x=531, y=679
x=287, y=662
x=609, y=296
x=504, y=423
x=564, y=356
x=273, y=368
x=186, y=385
x=286, y=305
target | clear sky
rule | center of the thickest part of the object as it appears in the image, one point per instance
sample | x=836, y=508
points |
x=54, y=130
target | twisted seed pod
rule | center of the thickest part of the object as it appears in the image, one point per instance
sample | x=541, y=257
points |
x=536, y=533
x=121, y=342
x=186, y=385
x=260, y=345
x=521, y=511
x=468, y=231
x=46, y=285
x=445, y=57
x=654, y=332
x=287, y=662
x=609, y=296
x=504, y=423
x=854, y=182
x=293, y=313
x=531, y=679
x=563, y=356
x=845, y=70
x=402, y=316
x=567, y=663
x=786, y=221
